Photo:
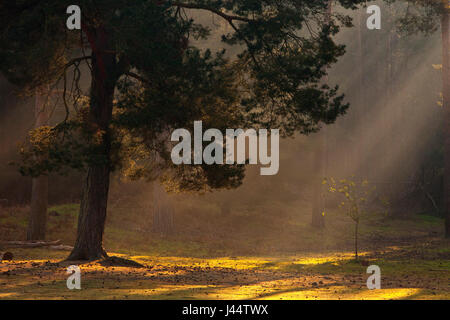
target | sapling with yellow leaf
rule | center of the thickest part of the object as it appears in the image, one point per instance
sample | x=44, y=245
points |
x=353, y=199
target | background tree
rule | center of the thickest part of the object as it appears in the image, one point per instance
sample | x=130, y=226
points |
x=39, y=185
x=320, y=163
x=147, y=78
x=353, y=201
x=445, y=29
x=426, y=16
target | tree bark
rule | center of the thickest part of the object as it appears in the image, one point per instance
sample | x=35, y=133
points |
x=93, y=208
x=445, y=26
x=39, y=186
x=92, y=217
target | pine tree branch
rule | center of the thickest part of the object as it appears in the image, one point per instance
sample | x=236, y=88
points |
x=218, y=12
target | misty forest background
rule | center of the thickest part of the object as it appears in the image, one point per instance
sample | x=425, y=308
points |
x=391, y=137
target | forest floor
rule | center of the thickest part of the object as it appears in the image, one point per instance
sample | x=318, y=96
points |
x=413, y=257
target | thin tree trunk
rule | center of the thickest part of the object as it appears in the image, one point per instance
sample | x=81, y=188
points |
x=318, y=208
x=38, y=212
x=93, y=208
x=388, y=92
x=39, y=186
x=162, y=211
x=356, y=239
x=361, y=109
x=445, y=26
x=320, y=162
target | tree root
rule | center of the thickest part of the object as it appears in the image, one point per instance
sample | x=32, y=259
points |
x=120, y=262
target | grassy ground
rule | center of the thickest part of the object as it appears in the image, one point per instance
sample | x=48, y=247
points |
x=294, y=263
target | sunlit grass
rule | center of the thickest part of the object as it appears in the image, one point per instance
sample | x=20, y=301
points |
x=325, y=276
x=343, y=293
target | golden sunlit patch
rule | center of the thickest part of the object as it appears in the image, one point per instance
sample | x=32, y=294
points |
x=333, y=275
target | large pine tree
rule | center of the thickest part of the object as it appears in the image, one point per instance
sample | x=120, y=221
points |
x=147, y=77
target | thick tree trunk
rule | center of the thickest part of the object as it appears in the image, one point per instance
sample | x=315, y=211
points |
x=445, y=26
x=39, y=186
x=92, y=217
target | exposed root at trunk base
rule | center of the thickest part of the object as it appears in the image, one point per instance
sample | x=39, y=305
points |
x=105, y=262
x=77, y=255
x=100, y=256
x=120, y=262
